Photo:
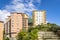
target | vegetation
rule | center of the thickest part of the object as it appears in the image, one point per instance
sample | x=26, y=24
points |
x=30, y=21
x=30, y=35
x=32, y=31
x=4, y=37
x=7, y=38
x=3, y=34
x=21, y=36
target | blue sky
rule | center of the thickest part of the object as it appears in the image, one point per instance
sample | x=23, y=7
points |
x=52, y=8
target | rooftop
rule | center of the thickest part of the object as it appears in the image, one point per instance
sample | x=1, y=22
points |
x=1, y=21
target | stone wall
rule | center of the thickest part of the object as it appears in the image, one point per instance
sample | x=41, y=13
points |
x=47, y=36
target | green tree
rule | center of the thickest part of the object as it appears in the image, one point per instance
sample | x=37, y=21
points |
x=3, y=34
x=7, y=38
x=30, y=29
x=33, y=34
x=21, y=35
x=30, y=21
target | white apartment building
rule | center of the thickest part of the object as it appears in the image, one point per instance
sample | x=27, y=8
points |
x=39, y=17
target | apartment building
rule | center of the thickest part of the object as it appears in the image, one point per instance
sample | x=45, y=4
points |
x=39, y=17
x=1, y=30
x=15, y=23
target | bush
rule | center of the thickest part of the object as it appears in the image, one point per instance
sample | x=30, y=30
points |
x=7, y=38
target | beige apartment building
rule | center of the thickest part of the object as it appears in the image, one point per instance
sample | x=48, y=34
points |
x=15, y=23
x=39, y=17
x=1, y=30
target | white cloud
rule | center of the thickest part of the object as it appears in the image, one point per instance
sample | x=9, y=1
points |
x=18, y=5
x=3, y=14
x=25, y=6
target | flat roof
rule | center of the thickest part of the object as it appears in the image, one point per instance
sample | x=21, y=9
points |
x=38, y=10
x=19, y=13
x=1, y=21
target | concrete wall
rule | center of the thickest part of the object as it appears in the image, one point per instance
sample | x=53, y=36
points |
x=1, y=30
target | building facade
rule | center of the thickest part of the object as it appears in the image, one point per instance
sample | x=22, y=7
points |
x=1, y=30
x=15, y=23
x=39, y=17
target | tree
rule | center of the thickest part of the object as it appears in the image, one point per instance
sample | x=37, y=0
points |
x=3, y=34
x=7, y=38
x=54, y=27
x=31, y=35
x=30, y=21
x=34, y=34
x=21, y=35
x=30, y=29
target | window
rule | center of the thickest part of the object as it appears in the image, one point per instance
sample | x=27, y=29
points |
x=12, y=25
